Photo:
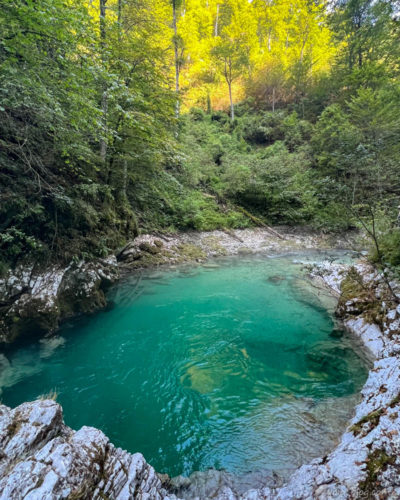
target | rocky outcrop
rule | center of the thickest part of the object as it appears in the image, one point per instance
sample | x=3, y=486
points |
x=35, y=302
x=41, y=458
x=153, y=250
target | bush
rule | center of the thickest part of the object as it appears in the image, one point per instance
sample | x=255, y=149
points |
x=202, y=213
x=265, y=128
x=219, y=116
x=197, y=114
x=390, y=248
x=269, y=180
x=14, y=242
x=296, y=132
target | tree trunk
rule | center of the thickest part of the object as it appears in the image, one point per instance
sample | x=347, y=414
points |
x=103, y=141
x=231, y=101
x=228, y=78
x=124, y=179
x=209, y=107
x=104, y=100
x=216, y=21
x=273, y=100
x=119, y=19
x=303, y=46
x=103, y=23
x=357, y=37
x=176, y=54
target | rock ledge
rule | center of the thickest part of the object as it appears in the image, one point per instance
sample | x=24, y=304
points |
x=42, y=459
x=36, y=301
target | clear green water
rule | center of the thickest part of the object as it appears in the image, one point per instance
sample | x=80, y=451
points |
x=227, y=367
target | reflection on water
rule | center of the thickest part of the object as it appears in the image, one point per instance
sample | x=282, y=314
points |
x=231, y=366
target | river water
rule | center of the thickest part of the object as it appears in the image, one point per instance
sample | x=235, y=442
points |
x=234, y=365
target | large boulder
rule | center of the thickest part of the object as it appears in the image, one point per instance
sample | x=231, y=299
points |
x=34, y=302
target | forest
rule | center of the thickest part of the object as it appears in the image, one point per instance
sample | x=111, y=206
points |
x=124, y=116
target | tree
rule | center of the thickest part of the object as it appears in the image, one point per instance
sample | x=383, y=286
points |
x=294, y=49
x=178, y=52
x=232, y=47
x=60, y=195
x=104, y=100
x=140, y=102
x=356, y=148
x=367, y=27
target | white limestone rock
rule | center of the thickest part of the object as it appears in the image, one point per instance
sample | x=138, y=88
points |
x=37, y=301
x=41, y=458
x=330, y=273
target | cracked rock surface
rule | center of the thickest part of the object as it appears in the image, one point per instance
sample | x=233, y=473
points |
x=35, y=302
x=41, y=458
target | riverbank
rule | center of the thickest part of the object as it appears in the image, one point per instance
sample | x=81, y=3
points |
x=156, y=250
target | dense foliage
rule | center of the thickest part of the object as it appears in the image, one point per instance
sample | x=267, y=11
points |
x=125, y=115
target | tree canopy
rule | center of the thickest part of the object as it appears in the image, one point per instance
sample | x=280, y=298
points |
x=122, y=115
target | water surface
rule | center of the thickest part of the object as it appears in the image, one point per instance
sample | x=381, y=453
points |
x=230, y=366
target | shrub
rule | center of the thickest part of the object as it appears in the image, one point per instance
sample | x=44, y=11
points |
x=14, y=242
x=265, y=128
x=389, y=244
x=219, y=116
x=197, y=114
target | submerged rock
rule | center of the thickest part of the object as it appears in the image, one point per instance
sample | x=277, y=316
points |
x=36, y=302
x=276, y=279
x=216, y=483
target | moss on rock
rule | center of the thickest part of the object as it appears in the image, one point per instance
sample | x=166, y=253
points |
x=359, y=298
x=214, y=245
x=187, y=252
x=377, y=461
x=372, y=418
x=145, y=246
